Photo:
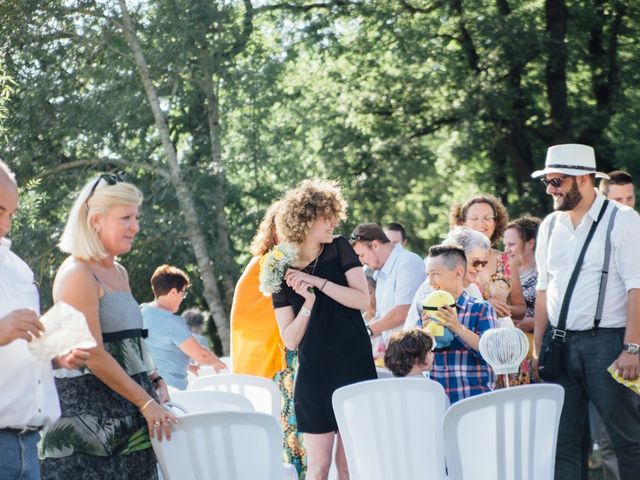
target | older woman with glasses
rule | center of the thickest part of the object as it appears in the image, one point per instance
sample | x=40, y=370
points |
x=499, y=284
x=171, y=342
x=109, y=409
x=477, y=250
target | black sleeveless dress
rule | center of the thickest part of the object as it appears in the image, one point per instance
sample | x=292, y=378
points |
x=335, y=350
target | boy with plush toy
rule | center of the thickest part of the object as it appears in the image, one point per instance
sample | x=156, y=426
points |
x=458, y=367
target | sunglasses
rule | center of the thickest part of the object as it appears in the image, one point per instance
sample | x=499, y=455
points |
x=109, y=178
x=479, y=263
x=554, y=182
x=358, y=238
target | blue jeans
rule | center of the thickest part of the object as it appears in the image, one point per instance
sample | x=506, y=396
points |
x=19, y=456
x=587, y=355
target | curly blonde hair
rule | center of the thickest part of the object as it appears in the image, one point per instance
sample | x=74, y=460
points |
x=458, y=214
x=310, y=200
x=266, y=237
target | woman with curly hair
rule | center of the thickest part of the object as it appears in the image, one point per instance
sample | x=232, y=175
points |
x=318, y=312
x=499, y=284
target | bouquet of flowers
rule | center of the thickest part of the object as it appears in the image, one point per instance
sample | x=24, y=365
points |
x=273, y=266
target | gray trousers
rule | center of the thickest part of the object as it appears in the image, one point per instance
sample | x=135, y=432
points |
x=587, y=355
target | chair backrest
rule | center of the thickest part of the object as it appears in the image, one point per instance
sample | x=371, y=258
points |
x=384, y=372
x=392, y=428
x=508, y=434
x=263, y=393
x=201, y=401
x=222, y=446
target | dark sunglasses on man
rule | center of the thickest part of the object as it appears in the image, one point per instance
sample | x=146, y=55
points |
x=554, y=182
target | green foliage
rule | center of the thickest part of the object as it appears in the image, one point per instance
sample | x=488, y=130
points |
x=411, y=105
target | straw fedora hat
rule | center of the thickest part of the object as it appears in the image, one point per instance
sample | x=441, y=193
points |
x=571, y=159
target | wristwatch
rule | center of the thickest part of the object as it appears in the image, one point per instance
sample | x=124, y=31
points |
x=369, y=331
x=632, y=348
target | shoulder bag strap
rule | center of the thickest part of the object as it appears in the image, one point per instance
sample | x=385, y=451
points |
x=559, y=331
x=605, y=270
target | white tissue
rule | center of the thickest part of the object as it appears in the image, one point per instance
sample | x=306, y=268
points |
x=65, y=329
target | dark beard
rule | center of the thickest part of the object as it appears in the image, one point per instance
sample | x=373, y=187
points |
x=570, y=199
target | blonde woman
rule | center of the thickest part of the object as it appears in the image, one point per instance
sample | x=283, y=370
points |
x=318, y=313
x=110, y=408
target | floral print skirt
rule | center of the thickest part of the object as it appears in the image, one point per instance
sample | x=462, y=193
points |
x=294, y=452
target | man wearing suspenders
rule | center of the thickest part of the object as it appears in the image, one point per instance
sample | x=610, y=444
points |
x=596, y=309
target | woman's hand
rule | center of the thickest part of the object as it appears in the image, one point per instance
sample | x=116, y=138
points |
x=300, y=283
x=158, y=420
x=502, y=308
x=74, y=360
x=294, y=276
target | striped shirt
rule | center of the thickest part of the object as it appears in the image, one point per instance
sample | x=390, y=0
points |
x=460, y=369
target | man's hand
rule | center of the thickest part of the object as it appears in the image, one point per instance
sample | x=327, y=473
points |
x=75, y=359
x=535, y=363
x=22, y=323
x=628, y=366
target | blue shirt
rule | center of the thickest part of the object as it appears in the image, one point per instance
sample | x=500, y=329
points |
x=397, y=282
x=460, y=369
x=166, y=333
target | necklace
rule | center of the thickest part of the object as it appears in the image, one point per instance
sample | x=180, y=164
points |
x=314, y=262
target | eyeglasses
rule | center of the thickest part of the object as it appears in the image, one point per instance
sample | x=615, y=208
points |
x=554, y=182
x=184, y=294
x=110, y=178
x=486, y=218
x=479, y=263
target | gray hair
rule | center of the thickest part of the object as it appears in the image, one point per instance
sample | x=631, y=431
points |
x=467, y=238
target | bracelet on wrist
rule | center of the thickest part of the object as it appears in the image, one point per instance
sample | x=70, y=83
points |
x=147, y=403
x=324, y=284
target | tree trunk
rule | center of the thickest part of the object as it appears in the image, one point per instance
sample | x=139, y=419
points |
x=224, y=250
x=556, y=71
x=185, y=199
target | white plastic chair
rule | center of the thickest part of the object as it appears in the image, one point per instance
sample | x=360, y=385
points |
x=263, y=394
x=392, y=428
x=223, y=446
x=504, y=435
x=384, y=372
x=201, y=401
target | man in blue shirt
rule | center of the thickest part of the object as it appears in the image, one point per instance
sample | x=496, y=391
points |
x=399, y=274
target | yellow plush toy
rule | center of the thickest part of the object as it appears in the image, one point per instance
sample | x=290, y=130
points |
x=433, y=301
